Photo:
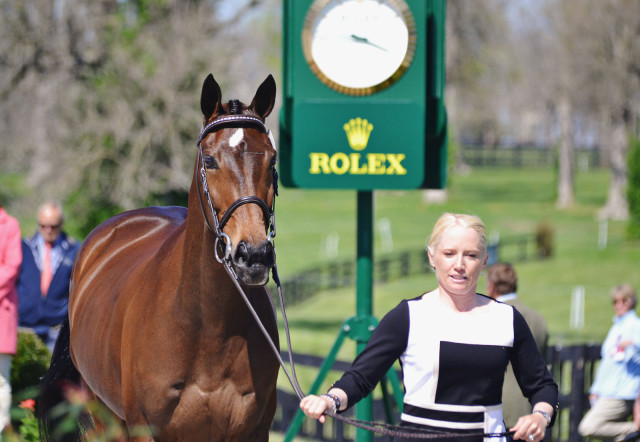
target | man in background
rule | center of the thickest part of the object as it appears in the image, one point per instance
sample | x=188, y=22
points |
x=43, y=283
x=502, y=285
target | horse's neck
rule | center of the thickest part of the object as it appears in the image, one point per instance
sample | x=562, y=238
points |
x=206, y=288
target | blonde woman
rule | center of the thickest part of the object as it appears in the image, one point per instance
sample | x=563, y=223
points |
x=454, y=345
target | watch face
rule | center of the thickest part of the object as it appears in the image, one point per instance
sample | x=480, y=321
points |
x=359, y=47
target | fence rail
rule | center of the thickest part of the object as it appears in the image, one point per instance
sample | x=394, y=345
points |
x=573, y=368
x=525, y=155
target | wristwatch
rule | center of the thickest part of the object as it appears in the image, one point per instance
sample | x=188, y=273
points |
x=545, y=415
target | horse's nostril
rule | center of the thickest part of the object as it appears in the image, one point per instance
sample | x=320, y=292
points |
x=242, y=254
x=248, y=255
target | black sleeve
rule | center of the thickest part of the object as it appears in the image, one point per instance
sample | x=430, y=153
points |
x=387, y=343
x=529, y=367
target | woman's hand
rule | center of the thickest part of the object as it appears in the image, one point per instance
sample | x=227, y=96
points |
x=530, y=428
x=315, y=406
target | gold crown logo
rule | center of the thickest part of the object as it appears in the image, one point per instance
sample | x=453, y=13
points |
x=358, y=130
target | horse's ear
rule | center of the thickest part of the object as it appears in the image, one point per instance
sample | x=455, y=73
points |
x=265, y=98
x=211, y=97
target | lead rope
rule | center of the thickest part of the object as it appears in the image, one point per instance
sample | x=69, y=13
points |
x=293, y=380
x=375, y=427
x=226, y=258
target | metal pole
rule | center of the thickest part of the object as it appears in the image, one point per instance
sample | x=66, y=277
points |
x=364, y=292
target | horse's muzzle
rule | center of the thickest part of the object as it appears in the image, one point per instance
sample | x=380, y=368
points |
x=252, y=263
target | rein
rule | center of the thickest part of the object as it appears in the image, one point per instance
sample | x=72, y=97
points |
x=412, y=432
x=225, y=260
x=218, y=226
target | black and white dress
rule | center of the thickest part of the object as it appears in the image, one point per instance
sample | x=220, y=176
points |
x=453, y=364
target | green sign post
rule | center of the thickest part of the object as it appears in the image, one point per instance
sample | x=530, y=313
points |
x=363, y=109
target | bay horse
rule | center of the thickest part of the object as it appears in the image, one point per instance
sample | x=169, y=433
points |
x=157, y=330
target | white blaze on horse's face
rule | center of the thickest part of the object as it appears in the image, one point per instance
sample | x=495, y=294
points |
x=236, y=138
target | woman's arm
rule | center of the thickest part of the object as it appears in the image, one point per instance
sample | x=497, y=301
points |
x=387, y=343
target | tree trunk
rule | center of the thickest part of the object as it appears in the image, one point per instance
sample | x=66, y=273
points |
x=616, y=207
x=566, y=155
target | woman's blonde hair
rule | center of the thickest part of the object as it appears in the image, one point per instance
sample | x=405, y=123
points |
x=448, y=220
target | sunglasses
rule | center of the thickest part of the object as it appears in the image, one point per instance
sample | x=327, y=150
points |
x=50, y=226
x=621, y=300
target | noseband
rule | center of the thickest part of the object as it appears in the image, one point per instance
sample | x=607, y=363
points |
x=218, y=226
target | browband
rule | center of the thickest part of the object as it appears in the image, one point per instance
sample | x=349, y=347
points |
x=229, y=120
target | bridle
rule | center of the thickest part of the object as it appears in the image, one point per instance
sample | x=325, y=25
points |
x=221, y=237
x=218, y=226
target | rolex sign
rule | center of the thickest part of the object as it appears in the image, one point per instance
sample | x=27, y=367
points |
x=363, y=87
x=357, y=131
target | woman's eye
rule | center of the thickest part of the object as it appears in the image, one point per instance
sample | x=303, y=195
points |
x=210, y=163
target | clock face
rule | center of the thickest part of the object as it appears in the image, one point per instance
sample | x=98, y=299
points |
x=359, y=47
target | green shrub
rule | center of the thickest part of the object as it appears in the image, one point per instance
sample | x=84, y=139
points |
x=29, y=364
x=633, y=189
x=544, y=239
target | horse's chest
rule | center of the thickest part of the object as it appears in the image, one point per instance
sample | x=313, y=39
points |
x=223, y=414
x=227, y=395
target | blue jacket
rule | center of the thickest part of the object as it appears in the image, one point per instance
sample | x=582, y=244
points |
x=618, y=374
x=34, y=310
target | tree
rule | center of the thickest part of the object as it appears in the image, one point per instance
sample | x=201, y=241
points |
x=476, y=69
x=101, y=99
x=633, y=191
x=608, y=72
x=585, y=67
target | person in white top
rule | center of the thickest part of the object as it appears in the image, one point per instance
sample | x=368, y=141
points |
x=454, y=346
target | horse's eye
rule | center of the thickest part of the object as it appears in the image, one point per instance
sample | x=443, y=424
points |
x=273, y=161
x=210, y=163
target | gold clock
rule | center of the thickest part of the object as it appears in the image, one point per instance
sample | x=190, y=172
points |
x=359, y=47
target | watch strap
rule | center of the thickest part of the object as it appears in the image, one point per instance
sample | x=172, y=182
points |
x=546, y=416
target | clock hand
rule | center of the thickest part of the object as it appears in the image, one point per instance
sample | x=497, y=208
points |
x=366, y=40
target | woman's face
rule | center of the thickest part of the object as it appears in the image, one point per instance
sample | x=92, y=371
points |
x=621, y=305
x=458, y=260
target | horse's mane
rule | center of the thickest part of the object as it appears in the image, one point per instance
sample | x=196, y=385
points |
x=235, y=107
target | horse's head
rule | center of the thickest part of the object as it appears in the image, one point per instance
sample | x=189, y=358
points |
x=239, y=161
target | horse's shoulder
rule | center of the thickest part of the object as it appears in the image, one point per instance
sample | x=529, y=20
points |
x=146, y=217
x=173, y=214
x=139, y=225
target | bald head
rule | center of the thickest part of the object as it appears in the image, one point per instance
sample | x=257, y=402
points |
x=50, y=219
